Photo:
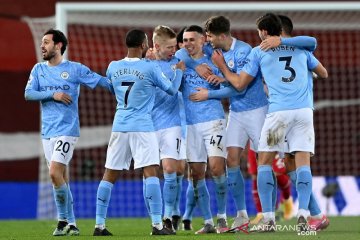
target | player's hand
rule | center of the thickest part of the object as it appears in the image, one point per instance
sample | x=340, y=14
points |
x=270, y=42
x=215, y=80
x=203, y=70
x=180, y=65
x=150, y=54
x=218, y=58
x=202, y=94
x=62, y=97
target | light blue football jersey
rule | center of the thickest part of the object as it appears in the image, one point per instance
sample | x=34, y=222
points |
x=251, y=98
x=165, y=113
x=59, y=119
x=254, y=96
x=205, y=111
x=135, y=81
x=286, y=72
x=182, y=115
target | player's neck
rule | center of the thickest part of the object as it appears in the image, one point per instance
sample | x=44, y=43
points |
x=197, y=55
x=55, y=60
x=228, y=44
x=134, y=53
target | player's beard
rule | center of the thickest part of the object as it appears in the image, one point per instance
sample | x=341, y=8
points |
x=49, y=55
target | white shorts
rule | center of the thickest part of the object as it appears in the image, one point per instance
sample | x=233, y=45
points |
x=205, y=139
x=296, y=125
x=169, y=140
x=243, y=126
x=182, y=153
x=59, y=149
x=124, y=146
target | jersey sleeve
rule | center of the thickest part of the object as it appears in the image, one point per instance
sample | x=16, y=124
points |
x=226, y=91
x=183, y=55
x=252, y=65
x=88, y=77
x=32, y=89
x=208, y=49
x=305, y=42
x=241, y=58
x=312, y=61
x=161, y=81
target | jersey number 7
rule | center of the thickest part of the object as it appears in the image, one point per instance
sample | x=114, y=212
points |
x=129, y=86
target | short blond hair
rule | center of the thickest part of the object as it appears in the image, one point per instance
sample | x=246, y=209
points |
x=162, y=33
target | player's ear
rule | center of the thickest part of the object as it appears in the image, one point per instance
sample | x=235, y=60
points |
x=156, y=47
x=59, y=45
x=222, y=36
x=202, y=38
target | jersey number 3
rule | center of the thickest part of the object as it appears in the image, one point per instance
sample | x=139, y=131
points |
x=287, y=67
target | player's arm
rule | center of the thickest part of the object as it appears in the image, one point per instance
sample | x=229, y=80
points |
x=91, y=79
x=107, y=84
x=226, y=91
x=202, y=69
x=315, y=66
x=170, y=87
x=305, y=42
x=320, y=71
x=238, y=81
x=34, y=93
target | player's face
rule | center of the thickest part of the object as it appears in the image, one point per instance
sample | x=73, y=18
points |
x=48, y=47
x=167, y=48
x=262, y=34
x=193, y=42
x=215, y=40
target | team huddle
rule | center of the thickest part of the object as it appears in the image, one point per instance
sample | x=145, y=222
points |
x=169, y=112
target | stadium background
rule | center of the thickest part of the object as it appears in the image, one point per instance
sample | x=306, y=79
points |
x=338, y=145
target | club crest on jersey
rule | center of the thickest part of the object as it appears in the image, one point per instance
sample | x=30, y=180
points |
x=173, y=67
x=64, y=75
x=231, y=63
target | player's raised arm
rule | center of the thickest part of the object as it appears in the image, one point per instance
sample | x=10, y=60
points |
x=171, y=87
x=305, y=42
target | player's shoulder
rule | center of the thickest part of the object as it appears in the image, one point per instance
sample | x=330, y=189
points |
x=241, y=45
x=241, y=49
x=72, y=65
x=40, y=65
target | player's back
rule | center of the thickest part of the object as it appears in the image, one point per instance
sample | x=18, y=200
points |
x=134, y=81
x=286, y=72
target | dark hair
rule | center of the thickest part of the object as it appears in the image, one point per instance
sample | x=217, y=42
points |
x=194, y=28
x=217, y=25
x=179, y=35
x=271, y=23
x=58, y=37
x=286, y=24
x=134, y=38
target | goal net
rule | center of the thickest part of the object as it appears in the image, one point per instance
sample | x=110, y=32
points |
x=96, y=34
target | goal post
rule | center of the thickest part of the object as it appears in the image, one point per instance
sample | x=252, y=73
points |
x=96, y=34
